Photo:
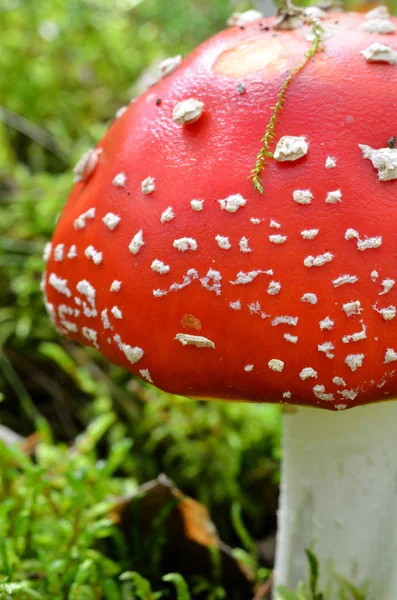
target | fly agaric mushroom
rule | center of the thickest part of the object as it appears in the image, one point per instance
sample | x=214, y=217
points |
x=169, y=261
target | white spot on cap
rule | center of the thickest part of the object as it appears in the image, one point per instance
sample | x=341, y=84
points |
x=240, y=19
x=302, y=196
x=255, y=221
x=285, y=320
x=186, y=243
x=105, y=319
x=310, y=298
x=319, y=392
x=86, y=289
x=244, y=246
x=197, y=205
x=194, y=340
x=292, y=339
x=274, y=224
x=111, y=220
x=91, y=335
x=119, y=180
x=236, y=305
x=80, y=222
x=167, y=215
x=276, y=365
x=384, y=160
x=148, y=185
x=351, y=234
x=159, y=267
x=116, y=285
x=187, y=111
x=72, y=252
x=380, y=53
x=333, y=197
x=145, y=373
x=379, y=12
x=133, y=354
x=352, y=308
x=274, y=288
x=255, y=309
x=121, y=111
x=86, y=165
x=116, y=312
x=168, y=65
x=374, y=275
x=243, y=278
x=390, y=355
x=382, y=26
x=277, y=239
x=387, y=284
x=327, y=323
x=344, y=279
x=318, y=261
x=232, y=203
x=136, y=242
x=309, y=234
x=354, y=361
x=339, y=381
x=369, y=243
x=93, y=254
x=307, y=372
x=248, y=368
x=60, y=285
x=330, y=162
x=47, y=251
x=287, y=394
x=223, y=242
x=387, y=313
x=290, y=147
x=348, y=394
x=327, y=348
x=356, y=337
x=58, y=252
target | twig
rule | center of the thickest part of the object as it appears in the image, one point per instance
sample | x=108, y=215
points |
x=264, y=590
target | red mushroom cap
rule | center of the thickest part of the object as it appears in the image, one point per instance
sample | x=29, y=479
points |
x=170, y=262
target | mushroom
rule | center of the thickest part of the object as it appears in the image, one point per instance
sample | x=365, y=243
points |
x=168, y=261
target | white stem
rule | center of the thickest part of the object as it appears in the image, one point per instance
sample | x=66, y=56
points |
x=339, y=497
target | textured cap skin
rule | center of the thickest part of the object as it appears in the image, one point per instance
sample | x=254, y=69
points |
x=287, y=296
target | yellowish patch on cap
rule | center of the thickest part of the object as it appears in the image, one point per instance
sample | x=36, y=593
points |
x=250, y=57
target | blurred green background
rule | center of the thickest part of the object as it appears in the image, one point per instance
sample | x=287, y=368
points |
x=65, y=69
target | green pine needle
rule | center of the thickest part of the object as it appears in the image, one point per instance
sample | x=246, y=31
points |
x=270, y=132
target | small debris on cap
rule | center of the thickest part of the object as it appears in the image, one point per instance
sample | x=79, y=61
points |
x=307, y=372
x=330, y=162
x=197, y=205
x=86, y=165
x=240, y=88
x=119, y=180
x=240, y=19
x=276, y=365
x=384, y=161
x=302, y=196
x=380, y=53
x=199, y=341
x=382, y=26
x=187, y=111
x=168, y=65
x=291, y=147
x=148, y=186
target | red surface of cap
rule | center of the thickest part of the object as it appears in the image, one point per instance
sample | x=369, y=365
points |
x=289, y=296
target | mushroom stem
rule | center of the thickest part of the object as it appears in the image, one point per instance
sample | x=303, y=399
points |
x=339, y=498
